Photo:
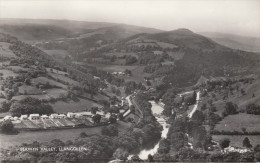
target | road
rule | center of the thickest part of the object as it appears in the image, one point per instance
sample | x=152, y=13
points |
x=195, y=106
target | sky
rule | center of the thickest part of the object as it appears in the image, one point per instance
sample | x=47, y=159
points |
x=241, y=17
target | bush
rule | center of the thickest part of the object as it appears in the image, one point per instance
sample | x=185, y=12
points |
x=253, y=109
x=224, y=143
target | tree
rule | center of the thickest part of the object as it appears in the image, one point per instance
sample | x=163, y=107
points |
x=120, y=116
x=83, y=135
x=96, y=118
x=6, y=127
x=94, y=110
x=5, y=106
x=246, y=143
x=150, y=158
x=112, y=119
x=224, y=143
x=132, y=109
x=27, y=81
x=110, y=130
x=198, y=117
x=230, y=108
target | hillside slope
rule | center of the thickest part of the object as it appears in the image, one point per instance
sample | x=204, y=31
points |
x=235, y=41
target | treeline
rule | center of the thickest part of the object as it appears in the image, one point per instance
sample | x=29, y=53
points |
x=217, y=132
x=30, y=105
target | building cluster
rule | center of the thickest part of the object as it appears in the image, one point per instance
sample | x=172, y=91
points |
x=57, y=116
x=118, y=73
x=236, y=149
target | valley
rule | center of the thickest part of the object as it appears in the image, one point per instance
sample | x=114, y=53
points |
x=173, y=95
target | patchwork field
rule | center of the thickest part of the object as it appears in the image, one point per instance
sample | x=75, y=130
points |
x=238, y=121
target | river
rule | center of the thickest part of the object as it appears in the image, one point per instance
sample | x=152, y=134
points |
x=156, y=110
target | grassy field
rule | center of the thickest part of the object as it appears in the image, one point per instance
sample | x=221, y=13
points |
x=238, y=121
x=64, y=78
x=137, y=71
x=5, y=51
x=44, y=80
x=71, y=106
x=57, y=53
x=26, y=89
x=237, y=140
x=7, y=73
x=48, y=135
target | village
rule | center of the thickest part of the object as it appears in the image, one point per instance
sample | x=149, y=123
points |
x=95, y=117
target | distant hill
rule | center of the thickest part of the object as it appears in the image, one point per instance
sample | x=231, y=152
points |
x=44, y=29
x=181, y=38
x=235, y=41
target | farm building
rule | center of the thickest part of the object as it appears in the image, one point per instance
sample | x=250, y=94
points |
x=34, y=116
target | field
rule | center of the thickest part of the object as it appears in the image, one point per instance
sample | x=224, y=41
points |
x=137, y=71
x=63, y=78
x=5, y=51
x=29, y=90
x=237, y=140
x=57, y=53
x=44, y=80
x=238, y=121
x=71, y=106
x=7, y=73
x=48, y=135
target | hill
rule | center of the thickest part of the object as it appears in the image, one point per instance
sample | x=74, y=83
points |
x=235, y=41
x=28, y=72
x=45, y=29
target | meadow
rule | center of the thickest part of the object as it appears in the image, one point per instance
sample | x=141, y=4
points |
x=71, y=106
x=238, y=121
x=237, y=140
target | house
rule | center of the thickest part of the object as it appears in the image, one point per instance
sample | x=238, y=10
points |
x=100, y=113
x=16, y=118
x=8, y=117
x=71, y=115
x=34, y=116
x=61, y=116
x=23, y=117
x=44, y=117
x=85, y=114
x=54, y=116
x=236, y=149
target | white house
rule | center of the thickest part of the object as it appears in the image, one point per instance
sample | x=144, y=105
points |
x=61, y=116
x=84, y=114
x=53, y=116
x=34, y=116
x=235, y=149
x=71, y=115
x=44, y=117
x=16, y=118
x=23, y=117
x=8, y=117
